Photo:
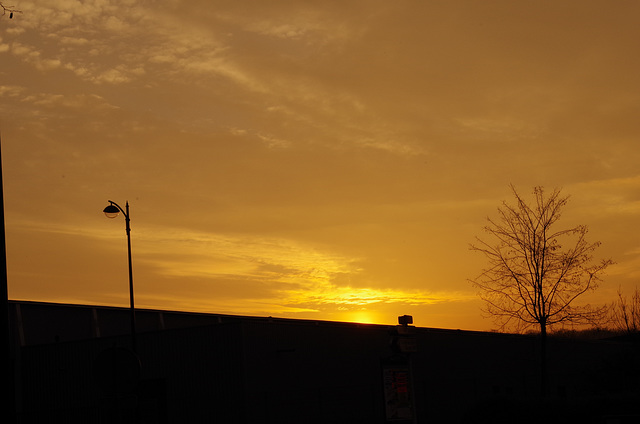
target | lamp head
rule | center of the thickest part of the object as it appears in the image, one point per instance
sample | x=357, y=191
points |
x=111, y=211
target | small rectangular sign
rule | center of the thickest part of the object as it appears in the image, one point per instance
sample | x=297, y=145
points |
x=397, y=393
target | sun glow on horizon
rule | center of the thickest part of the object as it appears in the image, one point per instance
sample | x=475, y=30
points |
x=363, y=317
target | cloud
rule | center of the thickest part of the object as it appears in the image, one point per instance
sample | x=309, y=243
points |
x=11, y=90
x=609, y=198
x=284, y=274
x=78, y=101
x=189, y=253
x=169, y=48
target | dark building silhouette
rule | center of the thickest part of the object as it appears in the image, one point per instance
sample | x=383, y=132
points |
x=75, y=365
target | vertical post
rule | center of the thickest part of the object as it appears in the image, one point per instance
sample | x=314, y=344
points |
x=8, y=375
x=131, y=301
x=397, y=371
x=543, y=361
x=112, y=211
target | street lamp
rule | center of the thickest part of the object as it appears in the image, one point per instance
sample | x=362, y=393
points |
x=113, y=211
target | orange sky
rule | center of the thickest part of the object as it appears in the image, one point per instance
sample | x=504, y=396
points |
x=325, y=160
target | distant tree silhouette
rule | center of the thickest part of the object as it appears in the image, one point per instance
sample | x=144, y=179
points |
x=624, y=313
x=533, y=279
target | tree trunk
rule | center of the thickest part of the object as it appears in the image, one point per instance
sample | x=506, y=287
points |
x=543, y=359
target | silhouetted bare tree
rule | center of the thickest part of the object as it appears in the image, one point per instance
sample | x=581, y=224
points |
x=536, y=272
x=624, y=313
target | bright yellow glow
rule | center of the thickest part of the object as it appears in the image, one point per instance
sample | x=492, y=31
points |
x=363, y=317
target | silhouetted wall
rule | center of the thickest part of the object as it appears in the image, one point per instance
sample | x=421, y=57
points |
x=230, y=369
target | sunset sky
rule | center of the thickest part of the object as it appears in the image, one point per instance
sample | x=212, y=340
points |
x=308, y=159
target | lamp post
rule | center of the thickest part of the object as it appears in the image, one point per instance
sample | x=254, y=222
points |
x=112, y=211
x=8, y=373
